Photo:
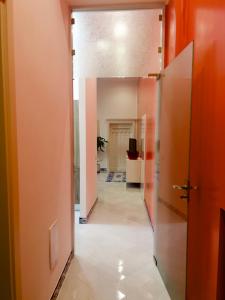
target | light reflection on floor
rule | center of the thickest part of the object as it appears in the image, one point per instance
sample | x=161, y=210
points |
x=114, y=251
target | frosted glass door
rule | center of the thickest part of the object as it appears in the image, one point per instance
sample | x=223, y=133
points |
x=174, y=185
x=117, y=43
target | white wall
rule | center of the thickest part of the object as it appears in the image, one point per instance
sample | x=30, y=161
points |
x=117, y=99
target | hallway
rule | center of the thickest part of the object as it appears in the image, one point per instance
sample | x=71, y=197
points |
x=114, y=250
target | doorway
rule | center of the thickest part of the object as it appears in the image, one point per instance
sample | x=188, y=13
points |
x=118, y=145
x=117, y=204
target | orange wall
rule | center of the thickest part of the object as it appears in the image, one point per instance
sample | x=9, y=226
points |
x=42, y=56
x=147, y=105
x=91, y=147
x=203, y=21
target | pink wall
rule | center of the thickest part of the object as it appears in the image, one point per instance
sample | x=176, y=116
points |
x=43, y=101
x=147, y=105
x=91, y=135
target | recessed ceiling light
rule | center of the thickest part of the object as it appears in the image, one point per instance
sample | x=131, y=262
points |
x=120, y=30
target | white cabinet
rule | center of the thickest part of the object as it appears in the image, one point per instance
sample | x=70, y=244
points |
x=133, y=170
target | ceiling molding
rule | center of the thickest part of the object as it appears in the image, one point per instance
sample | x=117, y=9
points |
x=79, y=5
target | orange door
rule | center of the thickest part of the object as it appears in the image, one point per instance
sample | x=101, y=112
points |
x=172, y=201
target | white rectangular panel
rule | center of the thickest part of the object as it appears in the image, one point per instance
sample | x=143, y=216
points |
x=117, y=43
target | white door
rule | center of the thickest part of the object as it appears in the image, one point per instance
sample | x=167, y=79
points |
x=118, y=146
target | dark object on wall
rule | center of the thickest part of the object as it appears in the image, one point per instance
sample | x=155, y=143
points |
x=132, y=152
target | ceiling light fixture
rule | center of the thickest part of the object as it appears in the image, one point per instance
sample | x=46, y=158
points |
x=120, y=30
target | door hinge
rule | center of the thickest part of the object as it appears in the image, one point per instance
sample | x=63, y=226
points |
x=159, y=50
x=160, y=18
x=158, y=146
x=73, y=52
x=72, y=21
x=157, y=76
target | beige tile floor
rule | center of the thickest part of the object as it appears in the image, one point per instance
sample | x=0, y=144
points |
x=114, y=251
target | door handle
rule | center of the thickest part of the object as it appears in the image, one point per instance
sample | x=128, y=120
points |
x=184, y=187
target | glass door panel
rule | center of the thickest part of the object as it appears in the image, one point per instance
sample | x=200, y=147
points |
x=117, y=43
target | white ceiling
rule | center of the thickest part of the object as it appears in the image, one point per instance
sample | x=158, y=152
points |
x=84, y=4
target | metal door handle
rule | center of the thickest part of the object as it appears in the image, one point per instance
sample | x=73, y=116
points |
x=184, y=187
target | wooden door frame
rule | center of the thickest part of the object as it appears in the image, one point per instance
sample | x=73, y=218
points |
x=8, y=153
x=72, y=145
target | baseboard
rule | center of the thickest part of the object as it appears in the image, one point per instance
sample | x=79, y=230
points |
x=133, y=184
x=85, y=220
x=62, y=277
